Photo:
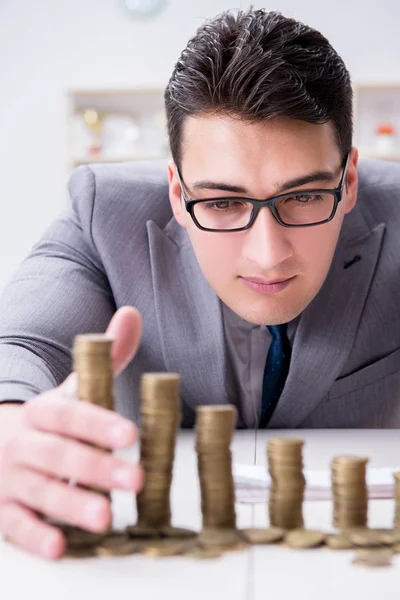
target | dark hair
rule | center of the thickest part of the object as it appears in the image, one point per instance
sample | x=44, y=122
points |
x=259, y=65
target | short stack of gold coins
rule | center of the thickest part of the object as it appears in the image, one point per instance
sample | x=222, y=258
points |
x=160, y=420
x=285, y=465
x=214, y=430
x=396, y=521
x=350, y=492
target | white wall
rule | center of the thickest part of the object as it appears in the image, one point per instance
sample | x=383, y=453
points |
x=48, y=46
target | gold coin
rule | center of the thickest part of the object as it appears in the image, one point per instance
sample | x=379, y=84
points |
x=373, y=557
x=80, y=552
x=370, y=537
x=200, y=553
x=238, y=547
x=117, y=544
x=161, y=548
x=339, y=541
x=79, y=538
x=349, y=461
x=285, y=442
x=254, y=535
x=304, y=538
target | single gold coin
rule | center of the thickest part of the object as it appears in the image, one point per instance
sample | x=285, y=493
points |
x=305, y=538
x=201, y=553
x=117, y=544
x=286, y=442
x=254, y=535
x=373, y=557
x=370, y=537
x=79, y=538
x=77, y=553
x=339, y=541
x=237, y=547
x=165, y=547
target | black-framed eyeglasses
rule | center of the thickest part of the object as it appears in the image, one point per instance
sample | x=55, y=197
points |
x=305, y=208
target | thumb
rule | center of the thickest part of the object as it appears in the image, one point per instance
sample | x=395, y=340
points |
x=125, y=328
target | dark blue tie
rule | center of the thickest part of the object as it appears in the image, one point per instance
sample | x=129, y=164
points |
x=275, y=371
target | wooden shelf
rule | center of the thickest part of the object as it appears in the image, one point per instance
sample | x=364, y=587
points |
x=141, y=108
x=376, y=103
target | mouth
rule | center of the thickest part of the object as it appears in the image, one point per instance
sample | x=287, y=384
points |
x=267, y=286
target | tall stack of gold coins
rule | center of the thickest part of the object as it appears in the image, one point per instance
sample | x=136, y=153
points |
x=350, y=492
x=160, y=420
x=93, y=366
x=214, y=429
x=285, y=465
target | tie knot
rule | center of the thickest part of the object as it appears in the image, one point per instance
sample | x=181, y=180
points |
x=278, y=331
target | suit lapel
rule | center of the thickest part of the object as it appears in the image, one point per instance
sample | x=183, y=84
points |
x=187, y=310
x=328, y=326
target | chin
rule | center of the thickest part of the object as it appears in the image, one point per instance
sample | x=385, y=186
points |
x=271, y=316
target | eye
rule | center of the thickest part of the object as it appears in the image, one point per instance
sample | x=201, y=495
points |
x=306, y=198
x=223, y=205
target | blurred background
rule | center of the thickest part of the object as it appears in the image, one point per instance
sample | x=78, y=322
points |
x=83, y=80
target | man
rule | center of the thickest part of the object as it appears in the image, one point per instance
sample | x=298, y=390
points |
x=253, y=271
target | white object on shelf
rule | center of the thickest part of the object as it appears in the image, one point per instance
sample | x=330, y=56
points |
x=120, y=135
x=376, y=103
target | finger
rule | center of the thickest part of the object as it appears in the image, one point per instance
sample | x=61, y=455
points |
x=67, y=459
x=59, y=500
x=21, y=526
x=126, y=329
x=79, y=420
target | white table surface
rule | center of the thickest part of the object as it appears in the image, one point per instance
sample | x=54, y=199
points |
x=258, y=573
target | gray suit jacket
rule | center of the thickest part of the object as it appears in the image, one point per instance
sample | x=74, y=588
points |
x=118, y=244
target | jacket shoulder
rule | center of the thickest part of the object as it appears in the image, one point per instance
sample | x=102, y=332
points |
x=137, y=191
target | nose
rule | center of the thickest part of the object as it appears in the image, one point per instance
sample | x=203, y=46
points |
x=266, y=242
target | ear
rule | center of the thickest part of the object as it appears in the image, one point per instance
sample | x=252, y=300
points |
x=175, y=195
x=351, y=184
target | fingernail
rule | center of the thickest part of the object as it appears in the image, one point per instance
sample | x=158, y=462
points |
x=123, y=476
x=121, y=433
x=93, y=512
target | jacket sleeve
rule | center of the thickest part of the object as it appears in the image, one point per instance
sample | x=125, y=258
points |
x=60, y=290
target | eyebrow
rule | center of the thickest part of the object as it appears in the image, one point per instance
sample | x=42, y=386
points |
x=325, y=176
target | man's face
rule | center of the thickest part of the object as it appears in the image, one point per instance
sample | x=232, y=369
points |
x=261, y=158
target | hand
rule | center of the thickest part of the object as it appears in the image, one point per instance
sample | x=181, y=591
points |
x=46, y=450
